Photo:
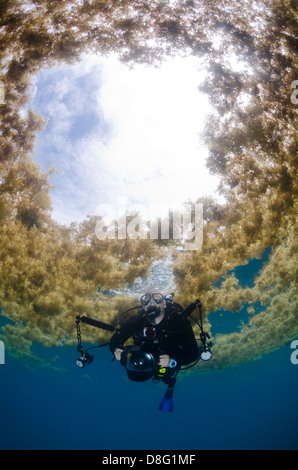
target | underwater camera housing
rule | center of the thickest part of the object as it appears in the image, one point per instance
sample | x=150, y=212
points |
x=139, y=365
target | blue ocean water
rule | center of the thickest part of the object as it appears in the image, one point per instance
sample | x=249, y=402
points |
x=253, y=406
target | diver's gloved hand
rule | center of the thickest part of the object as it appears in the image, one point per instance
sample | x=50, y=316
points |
x=164, y=360
x=117, y=353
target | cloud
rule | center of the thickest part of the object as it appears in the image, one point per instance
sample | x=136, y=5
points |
x=118, y=132
x=158, y=114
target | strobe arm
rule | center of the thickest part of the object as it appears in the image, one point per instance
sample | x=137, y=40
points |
x=191, y=308
x=96, y=323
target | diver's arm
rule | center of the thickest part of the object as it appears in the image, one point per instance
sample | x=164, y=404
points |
x=118, y=341
x=121, y=336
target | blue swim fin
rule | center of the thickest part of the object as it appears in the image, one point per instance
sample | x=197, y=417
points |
x=167, y=402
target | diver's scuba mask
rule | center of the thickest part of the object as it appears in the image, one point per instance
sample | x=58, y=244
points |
x=153, y=311
x=158, y=298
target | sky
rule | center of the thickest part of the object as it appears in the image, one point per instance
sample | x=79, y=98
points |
x=122, y=136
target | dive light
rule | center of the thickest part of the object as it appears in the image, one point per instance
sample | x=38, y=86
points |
x=206, y=354
x=205, y=350
x=84, y=360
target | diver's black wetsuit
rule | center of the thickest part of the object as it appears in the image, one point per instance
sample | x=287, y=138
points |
x=172, y=336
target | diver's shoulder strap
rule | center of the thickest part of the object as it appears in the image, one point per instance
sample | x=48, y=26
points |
x=174, y=312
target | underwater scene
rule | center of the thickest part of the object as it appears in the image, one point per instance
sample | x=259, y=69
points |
x=148, y=225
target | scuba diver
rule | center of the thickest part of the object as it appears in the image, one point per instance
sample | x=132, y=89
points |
x=163, y=342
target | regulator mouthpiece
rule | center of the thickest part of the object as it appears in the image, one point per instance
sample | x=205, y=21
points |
x=152, y=313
